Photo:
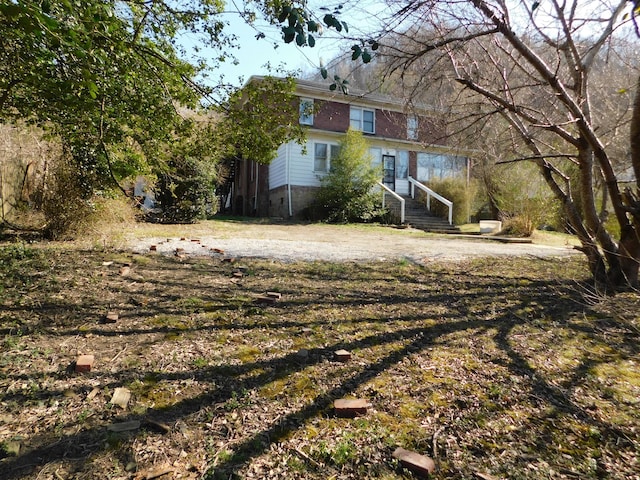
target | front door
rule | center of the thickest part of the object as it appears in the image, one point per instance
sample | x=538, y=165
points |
x=389, y=171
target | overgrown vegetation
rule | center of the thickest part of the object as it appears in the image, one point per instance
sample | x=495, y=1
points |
x=492, y=367
x=460, y=192
x=347, y=192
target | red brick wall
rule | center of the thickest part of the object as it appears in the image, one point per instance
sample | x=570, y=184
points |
x=391, y=124
x=432, y=131
x=334, y=117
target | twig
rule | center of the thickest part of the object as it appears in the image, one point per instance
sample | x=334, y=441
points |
x=118, y=354
x=306, y=457
x=436, y=457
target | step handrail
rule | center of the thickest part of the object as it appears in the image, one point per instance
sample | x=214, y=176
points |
x=430, y=193
x=396, y=196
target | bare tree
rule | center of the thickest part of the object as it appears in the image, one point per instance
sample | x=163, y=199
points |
x=534, y=65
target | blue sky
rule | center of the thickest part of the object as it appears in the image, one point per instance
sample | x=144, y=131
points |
x=255, y=56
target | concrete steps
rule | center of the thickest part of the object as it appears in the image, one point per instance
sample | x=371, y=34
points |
x=417, y=216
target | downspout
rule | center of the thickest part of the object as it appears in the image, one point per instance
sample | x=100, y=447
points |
x=255, y=199
x=289, y=200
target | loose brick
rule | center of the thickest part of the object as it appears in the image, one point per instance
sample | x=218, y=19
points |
x=275, y=295
x=419, y=464
x=111, y=317
x=195, y=240
x=84, y=363
x=267, y=300
x=157, y=426
x=153, y=248
x=238, y=274
x=218, y=250
x=343, y=355
x=351, y=407
x=124, y=426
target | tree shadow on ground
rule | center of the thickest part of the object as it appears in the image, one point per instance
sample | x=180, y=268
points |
x=391, y=315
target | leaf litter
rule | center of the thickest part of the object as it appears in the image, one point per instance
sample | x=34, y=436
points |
x=493, y=368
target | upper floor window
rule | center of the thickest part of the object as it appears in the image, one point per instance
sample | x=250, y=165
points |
x=363, y=119
x=412, y=127
x=306, y=111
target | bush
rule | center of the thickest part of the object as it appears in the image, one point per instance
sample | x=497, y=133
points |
x=347, y=191
x=456, y=190
x=66, y=203
x=184, y=191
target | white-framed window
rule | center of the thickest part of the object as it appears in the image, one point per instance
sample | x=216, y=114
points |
x=306, y=111
x=376, y=157
x=402, y=165
x=362, y=119
x=322, y=155
x=438, y=166
x=412, y=127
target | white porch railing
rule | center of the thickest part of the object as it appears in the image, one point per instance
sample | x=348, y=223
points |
x=430, y=193
x=386, y=190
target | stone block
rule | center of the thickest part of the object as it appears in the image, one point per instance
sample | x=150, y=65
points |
x=121, y=397
x=266, y=300
x=124, y=426
x=275, y=295
x=111, y=317
x=342, y=355
x=419, y=464
x=351, y=407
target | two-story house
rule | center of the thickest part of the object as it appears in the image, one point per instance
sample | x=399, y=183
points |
x=408, y=144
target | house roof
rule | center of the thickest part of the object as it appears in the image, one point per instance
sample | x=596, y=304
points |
x=321, y=90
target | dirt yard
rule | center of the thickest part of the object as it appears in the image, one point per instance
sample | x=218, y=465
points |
x=335, y=243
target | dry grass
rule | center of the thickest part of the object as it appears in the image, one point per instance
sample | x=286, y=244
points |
x=491, y=367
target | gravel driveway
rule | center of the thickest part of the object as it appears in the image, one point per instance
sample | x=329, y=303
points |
x=338, y=244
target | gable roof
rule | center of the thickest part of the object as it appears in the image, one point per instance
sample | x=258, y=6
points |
x=321, y=91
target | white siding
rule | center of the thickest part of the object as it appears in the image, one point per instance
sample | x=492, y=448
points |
x=402, y=186
x=301, y=168
x=278, y=169
x=301, y=164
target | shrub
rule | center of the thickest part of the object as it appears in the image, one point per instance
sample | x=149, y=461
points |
x=456, y=190
x=185, y=190
x=347, y=191
x=66, y=203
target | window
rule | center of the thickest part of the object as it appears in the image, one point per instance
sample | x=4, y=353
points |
x=376, y=156
x=306, y=111
x=435, y=166
x=362, y=119
x=402, y=165
x=323, y=153
x=412, y=127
